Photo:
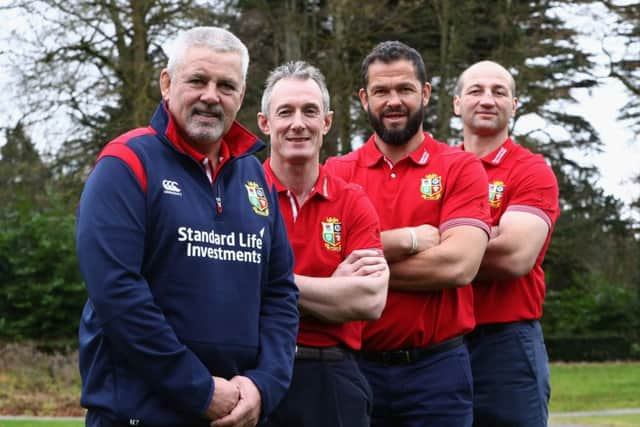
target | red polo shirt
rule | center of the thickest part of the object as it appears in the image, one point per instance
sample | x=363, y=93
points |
x=518, y=181
x=336, y=219
x=437, y=185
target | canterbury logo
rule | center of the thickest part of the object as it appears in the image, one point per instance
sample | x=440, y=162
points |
x=171, y=187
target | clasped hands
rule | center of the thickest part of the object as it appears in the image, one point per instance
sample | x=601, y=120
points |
x=236, y=403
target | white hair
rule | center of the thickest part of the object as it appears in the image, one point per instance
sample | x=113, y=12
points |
x=215, y=38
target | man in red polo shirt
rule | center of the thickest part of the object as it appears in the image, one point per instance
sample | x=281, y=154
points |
x=339, y=268
x=508, y=355
x=432, y=203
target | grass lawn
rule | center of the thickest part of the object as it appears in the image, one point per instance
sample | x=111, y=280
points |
x=608, y=421
x=594, y=386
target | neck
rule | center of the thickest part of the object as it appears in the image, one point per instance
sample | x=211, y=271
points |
x=395, y=153
x=481, y=145
x=299, y=178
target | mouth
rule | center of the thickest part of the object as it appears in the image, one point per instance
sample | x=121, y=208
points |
x=298, y=139
x=394, y=119
x=486, y=113
x=207, y=115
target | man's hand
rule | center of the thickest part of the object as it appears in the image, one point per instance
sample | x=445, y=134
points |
x=247, y=411
x=427, y=236
x=226, y=396
x=361, y=262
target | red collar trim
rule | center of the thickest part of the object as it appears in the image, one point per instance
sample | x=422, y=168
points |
x=321, y=187
x=497, y=156
x=420, y=156
x=236, y=142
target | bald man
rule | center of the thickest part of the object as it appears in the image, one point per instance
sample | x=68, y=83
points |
x=508, y=356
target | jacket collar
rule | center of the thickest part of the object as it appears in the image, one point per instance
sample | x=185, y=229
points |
x=237, y=142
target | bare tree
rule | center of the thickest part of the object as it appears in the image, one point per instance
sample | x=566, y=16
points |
x=94, y=64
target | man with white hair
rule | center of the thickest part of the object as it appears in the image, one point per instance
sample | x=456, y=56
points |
x=192, y=311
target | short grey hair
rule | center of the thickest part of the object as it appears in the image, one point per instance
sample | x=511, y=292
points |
x=299, y=70
x=215, y=38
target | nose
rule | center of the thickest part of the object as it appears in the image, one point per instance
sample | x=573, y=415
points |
x=210, y=94
x=487, y=98
x=297, y=120
x=394, y=99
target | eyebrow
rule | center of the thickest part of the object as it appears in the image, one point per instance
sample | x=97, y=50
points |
x=493, y=86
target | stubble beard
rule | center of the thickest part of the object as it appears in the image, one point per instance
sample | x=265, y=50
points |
x=205, y=133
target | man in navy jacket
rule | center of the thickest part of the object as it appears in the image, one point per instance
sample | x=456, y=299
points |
x=192, y=311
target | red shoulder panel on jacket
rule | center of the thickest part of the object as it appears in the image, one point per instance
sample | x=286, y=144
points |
x=118, y=148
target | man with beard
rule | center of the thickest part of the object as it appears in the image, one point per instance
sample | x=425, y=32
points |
x=508, y=356
x=432, y=203
x=192, y=312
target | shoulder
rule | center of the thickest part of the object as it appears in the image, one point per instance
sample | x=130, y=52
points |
x=345, y=160
x=128, y=147
x=528, y=163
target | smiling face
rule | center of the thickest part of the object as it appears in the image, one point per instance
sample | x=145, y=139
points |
x=486, y=102
x=395, y=100
x=204, y=95
x=295, y=121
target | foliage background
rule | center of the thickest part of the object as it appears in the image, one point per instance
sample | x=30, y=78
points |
x=87, y=70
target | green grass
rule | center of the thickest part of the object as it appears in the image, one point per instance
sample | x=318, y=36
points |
x=608, y=421
x=594, y=386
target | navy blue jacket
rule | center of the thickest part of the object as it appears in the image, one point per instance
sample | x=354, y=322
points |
x=186, y=279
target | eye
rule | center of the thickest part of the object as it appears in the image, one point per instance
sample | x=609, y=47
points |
x=379, y=92
x=311, y=111
x=226, y=87
x=196, y=81
x=284, y=112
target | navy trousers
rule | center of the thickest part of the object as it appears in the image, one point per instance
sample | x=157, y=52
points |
x=325, y=394
x=435, y=391
x=510, y=375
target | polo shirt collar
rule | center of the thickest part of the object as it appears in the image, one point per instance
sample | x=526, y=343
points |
x=322, y=188
x=497, y=156
x=420, y=156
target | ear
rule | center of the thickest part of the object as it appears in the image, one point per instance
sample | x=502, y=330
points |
x=515, y=106
x=263, y=124
x=165, y=84
x=364, y=99
x=426, y=93
x=328, y=120
x=456, y=105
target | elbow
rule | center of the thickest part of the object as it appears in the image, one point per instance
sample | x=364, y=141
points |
x=373, y=304
x=372, y=308
x=517, y=267
x=463, y=274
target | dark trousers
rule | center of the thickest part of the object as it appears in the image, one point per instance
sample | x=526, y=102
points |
x=435, y=391
x=325, y=394
x=511, y=375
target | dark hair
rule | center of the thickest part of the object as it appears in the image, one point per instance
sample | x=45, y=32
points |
x=391, y=51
